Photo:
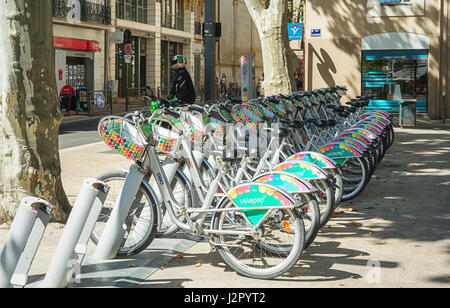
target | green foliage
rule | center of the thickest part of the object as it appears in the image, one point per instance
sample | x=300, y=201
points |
x=295, y=10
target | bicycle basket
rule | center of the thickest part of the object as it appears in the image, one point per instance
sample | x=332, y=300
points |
x=192, y=124
x=245, y=117
x=167, y=139
x=277, y=109
x=194, y=134
x=122, y=135
x=226, y=116
x=267, y=112
x=290, y=107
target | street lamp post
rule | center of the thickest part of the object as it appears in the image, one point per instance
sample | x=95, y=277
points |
x=209, y=40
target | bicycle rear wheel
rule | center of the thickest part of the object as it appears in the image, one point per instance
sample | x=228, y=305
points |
x=355, y=175
x=141, y=221
x=265, y=255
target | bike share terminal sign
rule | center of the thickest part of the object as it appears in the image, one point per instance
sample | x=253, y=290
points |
x=247, y=76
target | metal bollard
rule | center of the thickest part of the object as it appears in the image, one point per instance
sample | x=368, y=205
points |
x=79, y=225
x=113, y=233
x=23, y=239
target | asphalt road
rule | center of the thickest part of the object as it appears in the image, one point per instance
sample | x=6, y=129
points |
x=78, y=132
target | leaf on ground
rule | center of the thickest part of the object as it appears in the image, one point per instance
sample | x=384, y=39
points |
x=369, y=207
x=178, y=256
x=338, y=212
x=396, y=181
x=405, y=200
x=198, y=265
x=132, y=265
x=353, y=224
x=376, y=218
x=352, y=209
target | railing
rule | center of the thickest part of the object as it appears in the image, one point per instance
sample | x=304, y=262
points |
x=82, y=10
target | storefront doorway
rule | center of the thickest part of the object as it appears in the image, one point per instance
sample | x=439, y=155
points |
x=132, y=72
x=79, y=72
x=393, y=76
x=394, y=68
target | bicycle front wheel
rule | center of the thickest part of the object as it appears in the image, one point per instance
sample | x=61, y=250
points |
x=142, y=219
x=269, y=253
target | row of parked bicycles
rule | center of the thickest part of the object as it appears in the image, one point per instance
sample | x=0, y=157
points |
x=257, y=180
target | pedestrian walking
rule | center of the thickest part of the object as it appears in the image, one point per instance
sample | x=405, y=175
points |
x=298, y=81
x=223, y=85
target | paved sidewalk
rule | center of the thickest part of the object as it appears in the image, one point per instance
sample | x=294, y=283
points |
x=396, y=234
x=401, y=223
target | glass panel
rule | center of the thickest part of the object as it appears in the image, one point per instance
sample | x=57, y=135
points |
x=142, y=11
x=130, y=10
x=119, y=9
x=393, y=76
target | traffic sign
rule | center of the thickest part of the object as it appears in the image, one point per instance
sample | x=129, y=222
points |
x=100, y=100
x=128, y=49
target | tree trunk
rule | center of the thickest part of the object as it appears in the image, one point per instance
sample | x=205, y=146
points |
x=29, y=109
x=271, y=24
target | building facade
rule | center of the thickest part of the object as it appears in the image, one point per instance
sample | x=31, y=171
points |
x=89, y=52
x=396, y=50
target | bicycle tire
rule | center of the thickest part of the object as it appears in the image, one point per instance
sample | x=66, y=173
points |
x=325, y=200
x=351, y=192
x=285, y=263
x=169, y=228
x=150, y=230
x=312, y=214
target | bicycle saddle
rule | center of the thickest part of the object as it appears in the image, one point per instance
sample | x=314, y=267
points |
x=353, y=103
x=336, y=108
x=292, y=123
x=344, y=114
x=319, y=122
x=350, y=109
x=332, y=122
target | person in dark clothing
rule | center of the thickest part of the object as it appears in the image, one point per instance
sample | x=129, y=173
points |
x=182, y=86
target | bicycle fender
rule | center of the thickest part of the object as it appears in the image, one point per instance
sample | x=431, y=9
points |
x=370, y=127
x=303, y=169
x=367, y=133
x=257, y=195
x=352, y=141
x=339, y=151
x=378, y=118
x=286, y=181
x=316, y=158
x=357, y=136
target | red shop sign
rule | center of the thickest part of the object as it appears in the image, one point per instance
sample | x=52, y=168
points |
x=67, y=43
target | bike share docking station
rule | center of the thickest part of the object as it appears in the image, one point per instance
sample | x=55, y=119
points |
x=23, y=240
x=28, y=229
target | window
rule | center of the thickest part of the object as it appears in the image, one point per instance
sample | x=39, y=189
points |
x=119, y=9
x=142, y=11
x=393, y=76
x=134, y=10
x=172, y=14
